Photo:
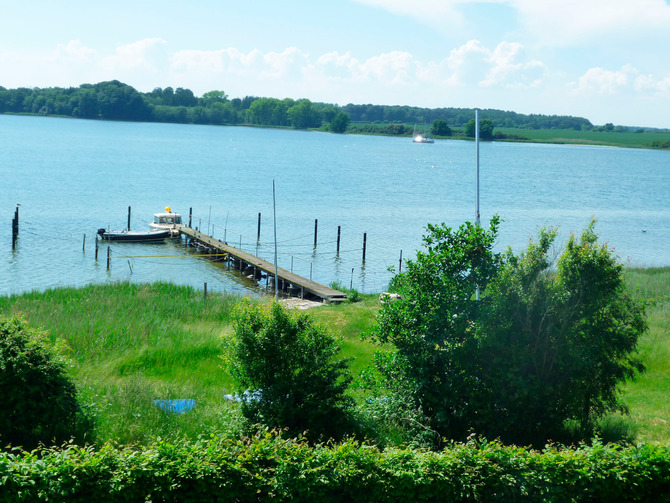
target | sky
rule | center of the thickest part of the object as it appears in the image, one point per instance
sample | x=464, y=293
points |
x=605, y=60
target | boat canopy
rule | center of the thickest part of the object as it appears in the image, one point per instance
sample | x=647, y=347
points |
x=167, y=218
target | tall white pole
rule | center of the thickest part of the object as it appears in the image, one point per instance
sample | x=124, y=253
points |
x=477, y=222
x=477, y=176
x=274, y=210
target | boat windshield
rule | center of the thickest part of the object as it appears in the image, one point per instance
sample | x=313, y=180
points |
x=167, y=219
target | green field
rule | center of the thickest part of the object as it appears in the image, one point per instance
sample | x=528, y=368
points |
x=643, y=139
x=132, y=344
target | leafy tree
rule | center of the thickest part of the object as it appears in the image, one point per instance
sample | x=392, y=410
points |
x=286, y=371
x=544, y=344
x=303, y=115
x=485, y=129
x=339, y=123
x=39, y=401
x=211, y=97
x=440, y=128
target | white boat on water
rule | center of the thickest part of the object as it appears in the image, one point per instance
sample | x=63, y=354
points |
x=167, y=221
x=422, y=137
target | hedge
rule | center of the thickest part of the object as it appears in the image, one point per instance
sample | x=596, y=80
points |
x=271, y=468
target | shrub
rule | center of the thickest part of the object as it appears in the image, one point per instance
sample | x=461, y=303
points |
x=286, y=371
x=39, y=401
x=543, y=344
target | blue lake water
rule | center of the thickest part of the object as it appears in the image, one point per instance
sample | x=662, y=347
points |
x=72, y=177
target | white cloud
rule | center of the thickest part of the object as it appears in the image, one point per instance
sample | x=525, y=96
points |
x=599, y=81
x=473, y=64
x=556, y=23
x=509, y=69
x=74, y=52
x=650, y=84
x=231, y=62
x=571, y=22
x=147, y=55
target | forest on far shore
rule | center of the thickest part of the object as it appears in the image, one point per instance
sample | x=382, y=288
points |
x=114, y=100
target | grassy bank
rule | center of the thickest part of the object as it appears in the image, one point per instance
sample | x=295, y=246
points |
x=627, y=139
x=640, y=138
x=132, y=344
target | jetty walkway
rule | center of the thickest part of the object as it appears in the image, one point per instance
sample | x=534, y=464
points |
x=253, y=266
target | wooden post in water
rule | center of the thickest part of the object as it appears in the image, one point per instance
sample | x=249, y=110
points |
x=128, y=217
x=15, y=232
x=316, y=226
x=96, y=247
x=15, y=227
x=400, y=262
x=109, y=258
x=365, y=240
x=338, y=240
x=205, y=298
x=83, y=246
x=258, y=238
x=190, y=216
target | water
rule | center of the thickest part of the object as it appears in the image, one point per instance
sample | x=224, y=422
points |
x=72, y=177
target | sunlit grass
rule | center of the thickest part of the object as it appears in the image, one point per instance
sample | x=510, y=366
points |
x=649, y=395
x=133, y=344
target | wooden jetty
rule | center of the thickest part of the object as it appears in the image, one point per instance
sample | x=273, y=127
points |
x=250, y=265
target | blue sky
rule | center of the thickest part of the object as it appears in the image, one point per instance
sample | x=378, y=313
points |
x=606, y=60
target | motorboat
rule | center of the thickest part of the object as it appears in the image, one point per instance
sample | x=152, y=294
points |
x=150, y=236
x=167, y=220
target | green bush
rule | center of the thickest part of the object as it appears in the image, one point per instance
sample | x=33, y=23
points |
x=286, y=371
x=268, y=467
x=39, y=401
x=511, y=346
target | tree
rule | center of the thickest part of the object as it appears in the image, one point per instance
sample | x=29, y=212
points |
x=339, y=123
x=440, y=128
x=303, y=115
x=286, y=371
x=485, y=129
x=39, y=401
x=543, y=344
x=212, y=97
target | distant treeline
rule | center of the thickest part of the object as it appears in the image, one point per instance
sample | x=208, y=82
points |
x=114, y=100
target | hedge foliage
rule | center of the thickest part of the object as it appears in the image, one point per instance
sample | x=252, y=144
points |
x=269, y=467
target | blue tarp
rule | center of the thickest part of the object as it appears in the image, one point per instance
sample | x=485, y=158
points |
x=178, y=406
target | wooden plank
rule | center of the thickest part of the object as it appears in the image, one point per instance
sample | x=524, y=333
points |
x=312, y=287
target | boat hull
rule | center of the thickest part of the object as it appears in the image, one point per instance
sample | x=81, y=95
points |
x=135, y=236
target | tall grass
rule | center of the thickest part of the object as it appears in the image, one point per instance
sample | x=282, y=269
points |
x=649, y=395
x=133, y=344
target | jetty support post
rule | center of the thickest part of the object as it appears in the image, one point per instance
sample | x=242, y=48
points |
x=365, y=241
x=15, y=226
x=258, y=237
x=83, y=246
x=128, y=217
x=96, y=247
x=339, y=229
x=190, y=216
x=316, y=226
x=400, y=262
x=15, y=232
x=109, y=257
